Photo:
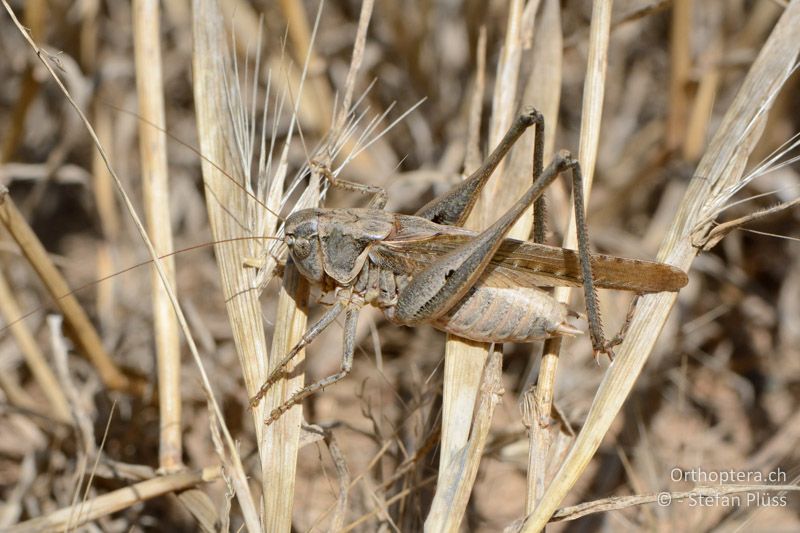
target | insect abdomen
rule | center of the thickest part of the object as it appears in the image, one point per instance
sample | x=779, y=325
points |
x=493, y=314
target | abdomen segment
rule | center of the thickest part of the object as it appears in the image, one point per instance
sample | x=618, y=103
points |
x=497, y=314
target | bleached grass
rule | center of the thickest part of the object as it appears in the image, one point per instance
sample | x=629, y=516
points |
x=233, y=461
x=591, y=116
x=155, y=184
x=715, y=177
x=226, y=126
x=471, y=388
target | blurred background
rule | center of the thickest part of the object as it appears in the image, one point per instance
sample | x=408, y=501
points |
x=720, y=390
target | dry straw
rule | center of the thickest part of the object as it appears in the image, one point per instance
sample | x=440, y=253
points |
x=544, y=90
x=226, y=132
x=118, y=500
x=232, y=460
x=464, y=426
x=714, y=181
x=155, y=183
x=470, y=386
x=84, y=333
x=591, y=114
x=473, y=373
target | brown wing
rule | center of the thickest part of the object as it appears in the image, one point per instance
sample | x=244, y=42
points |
x=519, y=263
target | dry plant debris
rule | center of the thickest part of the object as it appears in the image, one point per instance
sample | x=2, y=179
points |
x=124, y=432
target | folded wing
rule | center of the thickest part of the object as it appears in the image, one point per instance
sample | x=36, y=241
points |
x=519, y=263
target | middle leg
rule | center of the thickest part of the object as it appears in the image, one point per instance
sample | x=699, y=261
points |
x=312, y=333
x=350, y=322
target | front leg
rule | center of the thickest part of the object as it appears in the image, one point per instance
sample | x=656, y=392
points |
x=350, y=322
x=312, y=333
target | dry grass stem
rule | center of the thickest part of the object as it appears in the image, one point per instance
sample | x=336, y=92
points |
x=9, y=309
x=472, y=157
x=280, y=442
x=604, y=505
x=117, y=500
x=714, y=180
x=235, y=467
x=695, y=136
x=35, y=16
x=108, y=213
x=544, y=92
x=155, y=184
x=680, y=71
x=465, y=361
x=500, y=193
x=355, y=65
x=343, y=478
x=301, y=36
x=455, y=487
x=82, y=420
x=268, y=101
x=83, y=331
x=543, y=88
x=591, y=115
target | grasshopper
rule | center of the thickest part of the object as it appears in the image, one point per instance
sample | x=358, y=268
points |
x=426, y=269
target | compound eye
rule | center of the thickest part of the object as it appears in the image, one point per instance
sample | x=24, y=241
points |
x=301, y=247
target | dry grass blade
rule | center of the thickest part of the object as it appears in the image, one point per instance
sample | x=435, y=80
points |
x=280, y=441
x=155, y=183
x=202, y=508
x=466, y=361
x=591, y=114
x=455, y=486
x=227, y=205
x=33, y=355
x=84, y=333
x=236, y=469
x=544, y=92
x=715, y=177
x=215, y=131
x=116, y=501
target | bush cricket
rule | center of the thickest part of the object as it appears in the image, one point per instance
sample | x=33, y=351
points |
x=426, y=269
